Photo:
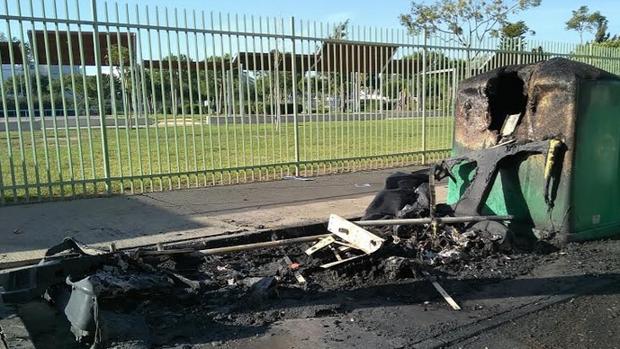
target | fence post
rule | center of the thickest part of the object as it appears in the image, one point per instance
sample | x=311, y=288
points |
x=425, y=34
x=294, y=90
x=104, y=138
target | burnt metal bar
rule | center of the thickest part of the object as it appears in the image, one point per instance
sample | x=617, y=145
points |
x=440, y=220
x=237, y=248
x=259, y=245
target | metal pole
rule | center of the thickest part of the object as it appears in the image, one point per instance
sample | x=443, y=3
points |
x=424, y=97
x=260, y=245
x=441, y=220
x=294, y=92
x=238, y=248
x=104, y=138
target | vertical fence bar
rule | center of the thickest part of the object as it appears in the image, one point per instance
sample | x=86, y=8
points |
x=424, y=81
x=86, y=99
x=285, y=99
x=111, y=63
x=225, y=91
x=302, y=79
x=200, y=102
x=347, y=95
x=121, y=63
x=364, y=90
x=154, y=104
x=264, y=81
x=342, y=111
x=104, y=137
x=191, y=100
x=231, y=96
x=323, y=107
x=78, y=127
x=142, y=93
x=294, y=93
x=20, y=134
x=7, y=134
x=164, y=105
x=246, y=79
x=64, y=103
x=210, y=103
x=26, y=64
x=181, y=94
x=240, y=94
x=257, y=111
x=173, y=98
x=218, y=93
x=41, y=107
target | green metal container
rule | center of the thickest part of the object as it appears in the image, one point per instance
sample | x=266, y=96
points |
x=556, y=99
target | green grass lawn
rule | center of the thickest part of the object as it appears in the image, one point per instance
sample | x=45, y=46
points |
x=78, y=155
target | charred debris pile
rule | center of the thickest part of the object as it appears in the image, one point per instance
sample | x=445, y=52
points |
x=404, y=235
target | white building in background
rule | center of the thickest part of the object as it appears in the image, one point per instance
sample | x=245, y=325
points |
x=54, y=71
x=7, y=73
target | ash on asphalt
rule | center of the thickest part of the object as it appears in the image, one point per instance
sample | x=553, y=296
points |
x=253, y=300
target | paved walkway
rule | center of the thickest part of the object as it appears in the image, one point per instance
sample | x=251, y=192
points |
x=130, y=221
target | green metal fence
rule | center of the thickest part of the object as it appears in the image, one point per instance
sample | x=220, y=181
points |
x=108, y=98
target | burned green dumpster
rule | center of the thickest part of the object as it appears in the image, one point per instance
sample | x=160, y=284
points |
x=540, y=142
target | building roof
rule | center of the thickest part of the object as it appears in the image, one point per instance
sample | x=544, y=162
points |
x=274, y=61
x=344, y=56
x=333, y=56
x=5, y=53
x=218, y=64
x=59, y=42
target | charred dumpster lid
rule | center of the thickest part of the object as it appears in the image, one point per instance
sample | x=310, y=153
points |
x=561, y=69
x=540, y=98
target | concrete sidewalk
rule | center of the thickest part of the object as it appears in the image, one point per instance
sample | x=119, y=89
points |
x=130, y=221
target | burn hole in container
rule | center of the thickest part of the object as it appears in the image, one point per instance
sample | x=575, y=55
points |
x=506, y=96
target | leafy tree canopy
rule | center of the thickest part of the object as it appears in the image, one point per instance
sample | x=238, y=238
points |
x=514, y=30
x=583, y=21
x=466, y=21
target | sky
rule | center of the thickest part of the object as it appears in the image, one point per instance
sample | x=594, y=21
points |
x=547, y=20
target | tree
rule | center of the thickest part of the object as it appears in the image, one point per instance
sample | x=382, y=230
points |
x=118, y=56
x=512, y=36
x=467, y=22
x=25, y=45
x=340, y=31
x=601, y=21
x=514, y=30
x=613, y=42
x=583, y=21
